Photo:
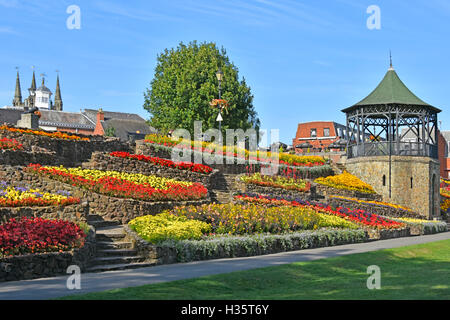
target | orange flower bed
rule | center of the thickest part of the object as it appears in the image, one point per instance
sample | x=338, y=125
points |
x=56, y=135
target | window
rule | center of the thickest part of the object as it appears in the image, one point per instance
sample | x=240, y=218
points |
x=313, y=133
x=384, y=180
x=411, y=182
x=326, y=132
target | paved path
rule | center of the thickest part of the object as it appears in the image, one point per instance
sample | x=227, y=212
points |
x=49, y=288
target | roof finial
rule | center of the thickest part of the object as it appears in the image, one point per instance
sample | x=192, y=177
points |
x=390, y=60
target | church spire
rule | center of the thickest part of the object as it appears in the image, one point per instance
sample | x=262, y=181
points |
x=17, y=102
x=58, y=100
x=33, y=83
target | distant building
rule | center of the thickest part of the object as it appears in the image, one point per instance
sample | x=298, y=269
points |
x=126, y=126
x=37, y=97
x=317, y=136
x=443, y=153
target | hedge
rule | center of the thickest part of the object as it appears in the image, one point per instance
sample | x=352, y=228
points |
x=244, y=246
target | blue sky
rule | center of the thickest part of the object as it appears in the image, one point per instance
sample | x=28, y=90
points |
x=304, y=60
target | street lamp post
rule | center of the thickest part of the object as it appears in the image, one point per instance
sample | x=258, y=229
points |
x=219, y=76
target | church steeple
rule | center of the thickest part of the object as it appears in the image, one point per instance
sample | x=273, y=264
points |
x=17, y=102
x=33, y=83
x=58, y=106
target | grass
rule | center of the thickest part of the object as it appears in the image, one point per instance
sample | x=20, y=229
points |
x=413, y=272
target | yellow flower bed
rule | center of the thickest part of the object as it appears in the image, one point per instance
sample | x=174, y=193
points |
x=92, y=174
x=291, y=159
x=345, y=181
x=166, y=226
x=249, y=219
x=416, y=221
x=18, y=195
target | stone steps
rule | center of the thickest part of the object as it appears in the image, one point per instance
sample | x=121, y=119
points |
x=114, y=252
x=106, y=245
x=117, y=260
x=98, y=222
x=222, y=190
x=124, y=266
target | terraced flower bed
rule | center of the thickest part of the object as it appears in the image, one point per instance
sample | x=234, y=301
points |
x=123, y=185
x=423, y=227
x=55, y=135
x=190, y=233
x=11, y=196
x=10, y=144
x=377, y=207
x=189, y=166
x=346, y=181
x=256, y=156
x=38, y=235
x=361, y=217
x=277, y=182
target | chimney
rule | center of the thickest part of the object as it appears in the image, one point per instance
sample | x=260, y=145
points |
x=100, y=115
x=98, y=125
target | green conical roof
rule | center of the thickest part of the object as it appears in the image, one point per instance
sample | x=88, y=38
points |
x=391, y=90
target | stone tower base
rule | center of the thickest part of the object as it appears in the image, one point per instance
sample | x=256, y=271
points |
x=413, y=182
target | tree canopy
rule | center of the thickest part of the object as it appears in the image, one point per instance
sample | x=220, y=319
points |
x=185, y=83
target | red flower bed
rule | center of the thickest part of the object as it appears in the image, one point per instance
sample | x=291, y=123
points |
x=6, y=143
x=200, y=168
x=121, y=188
x=37, y=235
x=359, y=216
x=171, y=144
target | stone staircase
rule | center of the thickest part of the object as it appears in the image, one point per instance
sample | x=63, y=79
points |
x=223, y=188
x=113, y=251
x=338, y=167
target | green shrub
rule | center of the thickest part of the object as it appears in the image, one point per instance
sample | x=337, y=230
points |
x=166, y=226
x=243, y=246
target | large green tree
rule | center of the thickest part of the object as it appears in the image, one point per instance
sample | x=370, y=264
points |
x=185, y=83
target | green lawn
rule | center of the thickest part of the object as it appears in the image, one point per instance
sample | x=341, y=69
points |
x=414, y=272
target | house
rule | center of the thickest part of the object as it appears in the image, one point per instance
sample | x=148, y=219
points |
x=317, y=136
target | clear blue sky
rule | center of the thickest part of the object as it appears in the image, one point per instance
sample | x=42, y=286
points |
x=304, y=60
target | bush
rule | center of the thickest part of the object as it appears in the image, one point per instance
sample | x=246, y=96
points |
x=427, y=226
x=166, y=226
x=243, y=246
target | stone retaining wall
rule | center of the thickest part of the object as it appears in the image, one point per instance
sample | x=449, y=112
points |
x=68, y=151
x=33, y=266
x=271, y=191
x=110, y=208
x=383, y=234
x=373, y=208
x=327, y=191
x=23, y=158
x=103, y=161
x=74, y=213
